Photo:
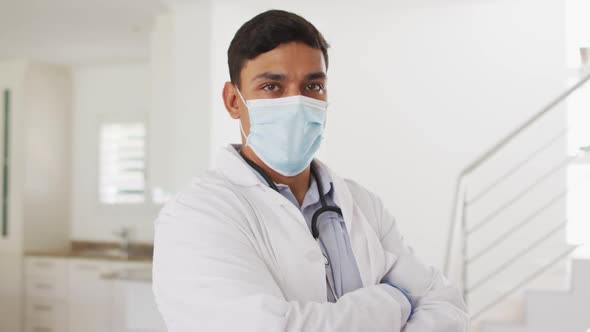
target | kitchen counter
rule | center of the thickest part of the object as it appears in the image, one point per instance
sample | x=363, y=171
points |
x=94, y=254
x=99, y=250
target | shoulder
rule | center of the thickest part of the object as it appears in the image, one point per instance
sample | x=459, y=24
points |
x=365, y=201
x=361, y=194
x=377, y=215
x=369, y=203
x=363, y=198
x=207, y=198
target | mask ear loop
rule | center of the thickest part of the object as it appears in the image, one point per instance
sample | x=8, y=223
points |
x=241, y=97
x=244, y=134
x=325, y=121
x=242, y=128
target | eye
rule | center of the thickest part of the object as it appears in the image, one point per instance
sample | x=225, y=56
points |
x=314, y=87
x=270, y=87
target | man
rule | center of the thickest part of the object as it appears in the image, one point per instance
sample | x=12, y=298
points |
x=272, y=239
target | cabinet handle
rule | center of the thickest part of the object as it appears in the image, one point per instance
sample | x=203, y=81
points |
x=43, y=264
x=42, y=329
x=42, y=307
x=43, y=286
x=87, y=267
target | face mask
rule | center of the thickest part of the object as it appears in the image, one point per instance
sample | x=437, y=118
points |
x=285, y=133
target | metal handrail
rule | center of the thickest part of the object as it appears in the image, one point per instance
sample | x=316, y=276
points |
x=468, y=289
x=519, y=195
x=517, y=167
x=491, y=152
x=525, y=281
x=515, y=258
x=530, y=218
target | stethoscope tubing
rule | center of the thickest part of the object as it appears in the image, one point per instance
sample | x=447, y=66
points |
x=314, y=219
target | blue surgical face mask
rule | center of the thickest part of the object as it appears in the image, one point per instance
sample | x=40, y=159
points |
x=285, y=133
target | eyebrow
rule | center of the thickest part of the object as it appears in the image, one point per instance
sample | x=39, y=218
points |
x=270, y=76
x=282, y=77
x=320, y=75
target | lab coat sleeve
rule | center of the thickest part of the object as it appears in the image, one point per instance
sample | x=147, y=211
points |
x=438, y=305
x=208, y=276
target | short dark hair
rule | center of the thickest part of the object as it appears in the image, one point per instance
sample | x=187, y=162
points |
x=265, y=32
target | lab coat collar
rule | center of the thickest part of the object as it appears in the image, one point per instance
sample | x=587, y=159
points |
x=231, y=164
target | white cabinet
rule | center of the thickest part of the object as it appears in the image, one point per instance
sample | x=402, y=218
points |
x=73, y=295
x=134, y=308
x=45, y=315
x=45, y=277
x=46, y=293
x=94, y=299
x=88, y=295
x=10, y=292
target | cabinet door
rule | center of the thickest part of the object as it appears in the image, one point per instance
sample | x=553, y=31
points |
x=43, y=314
x=88, y=296
x=52, y=267
x=141, y=312
x=45, y=277
x=133, y=307
x=10, y=292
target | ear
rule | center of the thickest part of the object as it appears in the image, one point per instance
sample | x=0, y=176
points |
x=233, y=103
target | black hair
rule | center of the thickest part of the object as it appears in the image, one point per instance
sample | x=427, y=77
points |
x=266, y=31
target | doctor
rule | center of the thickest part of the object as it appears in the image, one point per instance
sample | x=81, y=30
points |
x=272, y=239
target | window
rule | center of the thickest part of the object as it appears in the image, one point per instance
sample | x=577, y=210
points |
x=122, y=163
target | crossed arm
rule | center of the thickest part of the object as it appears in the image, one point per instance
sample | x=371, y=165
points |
x=438, y=305
x=208, y=277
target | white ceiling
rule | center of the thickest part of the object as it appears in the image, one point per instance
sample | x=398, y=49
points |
x=76, y=31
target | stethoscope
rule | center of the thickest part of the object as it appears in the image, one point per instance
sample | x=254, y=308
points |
x=314, y=219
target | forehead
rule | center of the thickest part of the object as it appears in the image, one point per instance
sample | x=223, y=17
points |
x=295, y=60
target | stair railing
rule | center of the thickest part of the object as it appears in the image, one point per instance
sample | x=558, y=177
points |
x=457, y=260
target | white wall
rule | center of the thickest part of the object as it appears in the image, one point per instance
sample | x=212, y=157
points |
x=104, y=93
x=162, y=103
x=417, y=91
x=181, y=89
x=47, y=164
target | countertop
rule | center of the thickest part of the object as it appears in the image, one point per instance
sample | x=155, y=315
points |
x=99, y=250
x=90, y=254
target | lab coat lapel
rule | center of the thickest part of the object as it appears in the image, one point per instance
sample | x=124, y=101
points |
x=294, y=251
x=236, y=170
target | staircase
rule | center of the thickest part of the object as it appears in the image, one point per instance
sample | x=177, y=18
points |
x=552, y=311
x=508, y=246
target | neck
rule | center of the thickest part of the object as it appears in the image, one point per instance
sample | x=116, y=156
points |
x=299, y=184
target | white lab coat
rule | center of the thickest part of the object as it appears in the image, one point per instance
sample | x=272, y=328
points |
x=231, y=255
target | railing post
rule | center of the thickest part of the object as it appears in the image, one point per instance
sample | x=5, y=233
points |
x=464, y=247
